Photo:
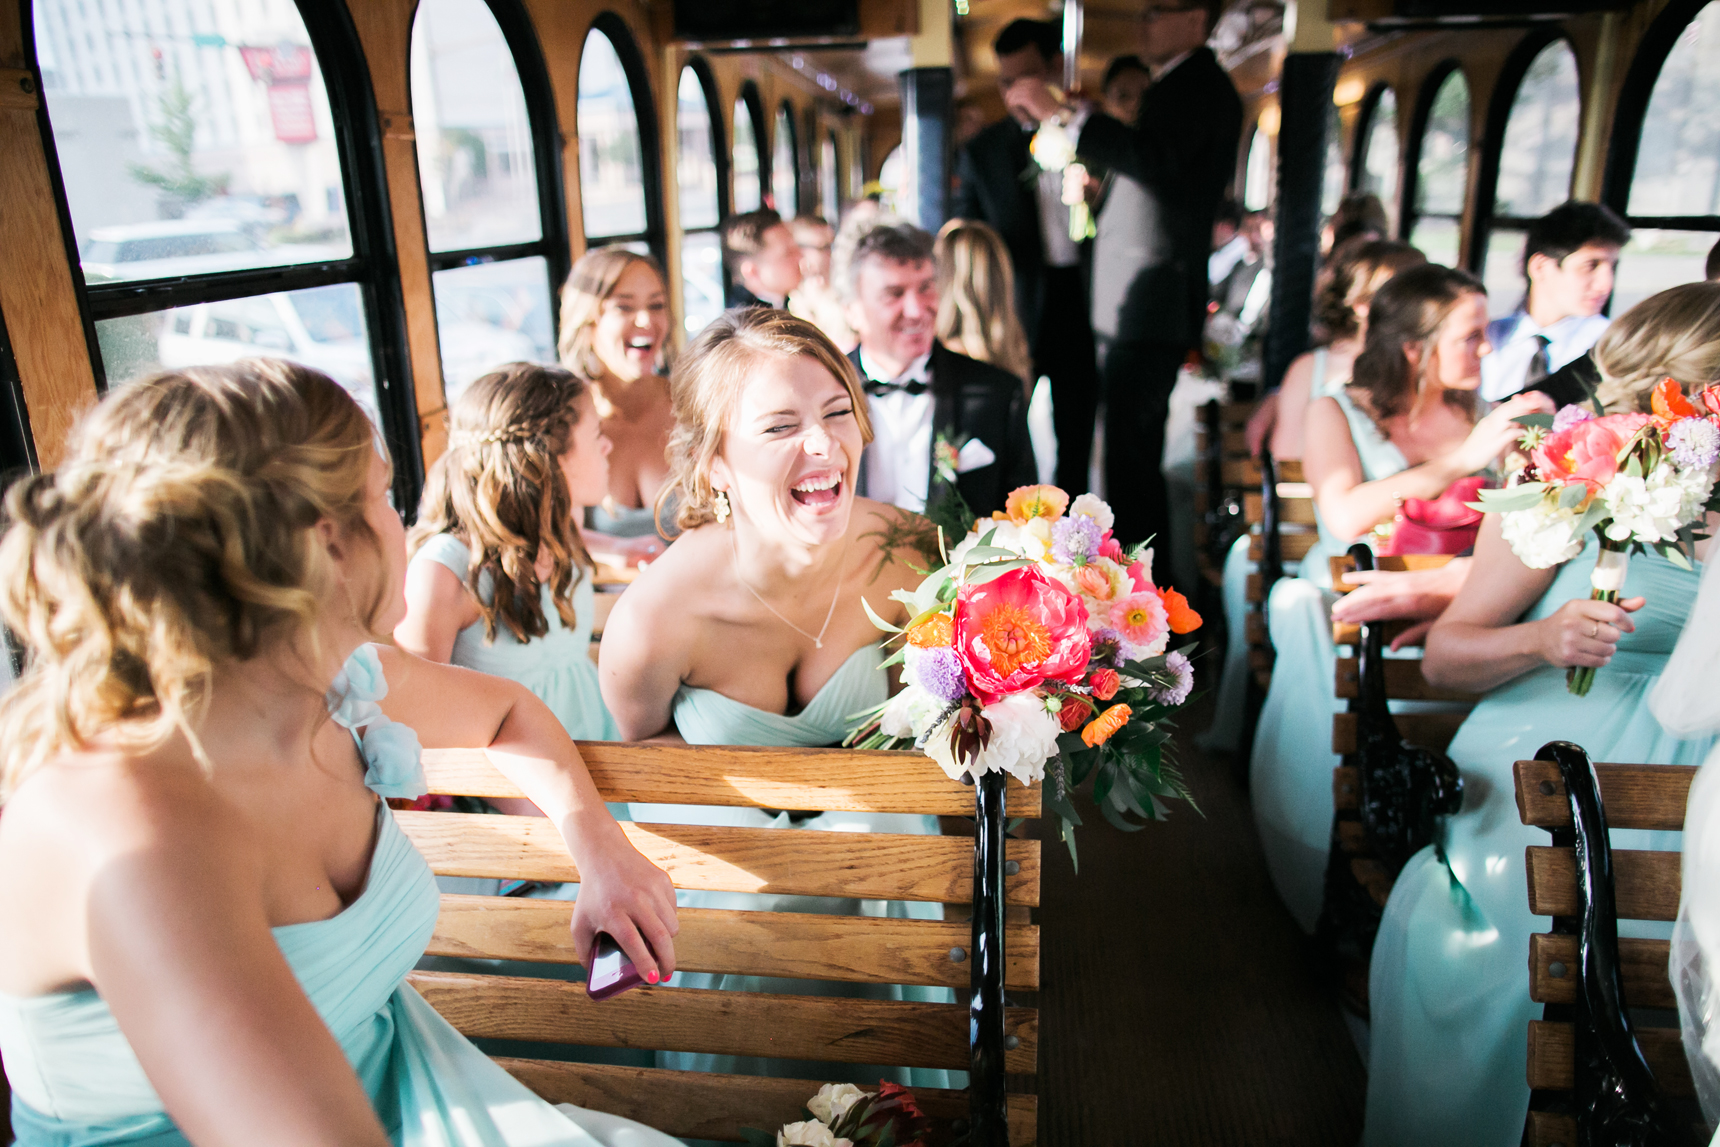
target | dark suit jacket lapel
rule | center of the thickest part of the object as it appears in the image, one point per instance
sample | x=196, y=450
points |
x=860, y=484
x=946, y=407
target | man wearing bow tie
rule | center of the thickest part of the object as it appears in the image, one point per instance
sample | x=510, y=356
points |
x=923, y=398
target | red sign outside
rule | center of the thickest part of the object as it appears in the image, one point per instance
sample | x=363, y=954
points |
x=287, y=71
x=272, y=65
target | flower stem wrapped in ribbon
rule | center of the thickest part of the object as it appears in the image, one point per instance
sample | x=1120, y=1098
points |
x=1037, y=646
x=1638, y=481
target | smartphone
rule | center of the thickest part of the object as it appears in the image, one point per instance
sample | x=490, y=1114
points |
x=611, y=972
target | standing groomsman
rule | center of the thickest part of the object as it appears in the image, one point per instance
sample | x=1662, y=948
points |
x=1171, y=168
x=1000, y=184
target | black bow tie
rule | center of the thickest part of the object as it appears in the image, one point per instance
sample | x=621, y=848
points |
x=879, y=389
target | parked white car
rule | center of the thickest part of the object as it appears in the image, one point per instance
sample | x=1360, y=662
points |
x=174, y=247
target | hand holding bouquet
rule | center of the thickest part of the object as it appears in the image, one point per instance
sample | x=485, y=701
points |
x=1039, y=644
x=1637, y=480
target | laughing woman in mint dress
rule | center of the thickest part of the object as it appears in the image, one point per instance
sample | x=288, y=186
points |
x=207, y=913
x=1447, y=989
x=749, y=629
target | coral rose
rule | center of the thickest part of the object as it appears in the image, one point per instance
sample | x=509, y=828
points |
x=1017, y=630
x=1073, y=714
x=1105, y=683
x=1029, y=502
x=1587, y=452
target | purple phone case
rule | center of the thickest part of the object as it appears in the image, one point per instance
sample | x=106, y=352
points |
x=611, y=972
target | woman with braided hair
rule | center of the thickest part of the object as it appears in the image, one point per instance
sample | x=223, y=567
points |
x=526, y=456
x=207, y=915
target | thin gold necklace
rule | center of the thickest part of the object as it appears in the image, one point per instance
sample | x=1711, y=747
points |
x=818, y=638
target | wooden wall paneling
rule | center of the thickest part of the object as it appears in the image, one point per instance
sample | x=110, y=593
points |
x=561, y=31
x=385, y=33
x=38, y=286
x=670, y=61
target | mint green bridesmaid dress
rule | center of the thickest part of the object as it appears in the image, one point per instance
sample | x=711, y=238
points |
x=706, y=717
x=76, y=1082
x=1448, y=985
x=1290, y=770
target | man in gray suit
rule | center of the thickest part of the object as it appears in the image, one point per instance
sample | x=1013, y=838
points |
x=1170, y=170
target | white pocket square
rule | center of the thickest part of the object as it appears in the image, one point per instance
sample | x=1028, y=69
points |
x=973, y=455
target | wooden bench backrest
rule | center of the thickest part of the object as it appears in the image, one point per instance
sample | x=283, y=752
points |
x=1223, y=470
x=1647, y=886
x=854, y=949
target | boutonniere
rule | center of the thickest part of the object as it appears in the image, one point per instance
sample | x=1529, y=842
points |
x=946, y=456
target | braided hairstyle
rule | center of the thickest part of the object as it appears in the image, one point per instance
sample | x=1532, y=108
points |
x=500, y=489
x=178, y=534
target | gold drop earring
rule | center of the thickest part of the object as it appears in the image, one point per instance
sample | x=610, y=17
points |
x=722, y=506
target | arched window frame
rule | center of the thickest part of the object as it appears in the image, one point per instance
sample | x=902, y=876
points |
x=373, y=265
x=749, y=96
x=655, y=235
x=17, y=445
x=552, y=244
x=1631, y=111
x=1505, y=93
x=1364, y=133
x=701, y=70
x=1410, y=184
x=785, y=117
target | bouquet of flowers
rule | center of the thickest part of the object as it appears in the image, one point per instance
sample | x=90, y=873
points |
x=1637, y=480
x=1041, y=646
x=841, y=1115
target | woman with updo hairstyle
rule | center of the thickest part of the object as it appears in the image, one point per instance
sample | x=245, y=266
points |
x=1404, y=427
x=526, y=456
x=1450, y=1019
x=614, y=334
x=207, y=914
x=750, y=629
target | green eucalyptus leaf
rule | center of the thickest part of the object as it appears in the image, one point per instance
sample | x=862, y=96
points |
x=872, y=615
x=1572, y=496
x=1524, y=497
x=1536, y=419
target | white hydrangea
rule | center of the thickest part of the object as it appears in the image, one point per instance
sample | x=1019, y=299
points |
x=1096, y=508
x=1030, y=541
x=1052, y=146
x=909, y=712
x=1542, y=537
x=1694, y=486
x=1647, y=509
x=833, y=1101
x=809, y=1134
x=1023, y=738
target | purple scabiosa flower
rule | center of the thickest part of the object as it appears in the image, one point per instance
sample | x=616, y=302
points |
x=1694, y=442
x=938, y=671
x=1107, y=648
x=1569, y=416
x=1176, y=683
x=1075, y=540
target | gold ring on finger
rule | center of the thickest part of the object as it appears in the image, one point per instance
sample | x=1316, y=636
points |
x=1595, y=630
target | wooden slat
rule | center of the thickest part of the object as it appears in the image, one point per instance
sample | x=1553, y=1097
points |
x=1404, y=681
x=867, y=866
x=797, y=945
x=1374, y=879
x=889, y=1032
x=1293, y=547
x=1646, y=883
x=1344, y=634
x=1291, y=511
x=1254, y=627
x=1635, y=796
x=1289, y=469
x=834, y=780
x=1552, y=1058
x=1434, y=730
x=1352, y=837
x=1346, y=788
x=613, y=576
x=1254, y=589
x=1241, y=472
x=602, y=605
x=1342, y=564
x=708, y=1105
x=1549, y=1129
x=1642, y=965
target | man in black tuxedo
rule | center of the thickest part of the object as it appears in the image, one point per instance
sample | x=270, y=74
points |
x=998, y=183
x=763, y=259
x=936, y=415
x=1170, y=170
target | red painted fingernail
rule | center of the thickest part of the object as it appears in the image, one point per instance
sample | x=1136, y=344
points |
x=651, y=977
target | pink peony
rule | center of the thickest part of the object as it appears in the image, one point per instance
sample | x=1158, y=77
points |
x=1587, y=452
x=1018, y=630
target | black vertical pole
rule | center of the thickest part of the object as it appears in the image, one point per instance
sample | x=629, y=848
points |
x=928, y=99
x=988, y=1106
x=1305, y=101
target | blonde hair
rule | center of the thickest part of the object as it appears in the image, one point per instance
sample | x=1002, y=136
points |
x=976, y=290
x=500, y=489
x=1675, y=334
x=178, y=534
x=592, y=281
x=708, y=380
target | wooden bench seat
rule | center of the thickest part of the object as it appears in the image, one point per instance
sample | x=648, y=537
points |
x=1590, y=981
x=979, y=958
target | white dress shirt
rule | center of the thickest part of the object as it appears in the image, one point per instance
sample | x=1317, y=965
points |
x=1224, y=260
x=899, y=459
x=1504, y=372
